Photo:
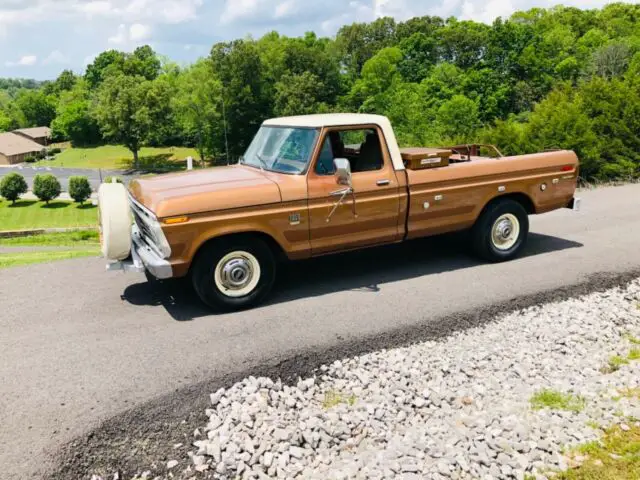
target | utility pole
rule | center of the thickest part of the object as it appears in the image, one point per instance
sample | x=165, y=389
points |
x=224, y=120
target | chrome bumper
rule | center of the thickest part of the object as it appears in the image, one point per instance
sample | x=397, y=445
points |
x=142, y=258
x=575, y=204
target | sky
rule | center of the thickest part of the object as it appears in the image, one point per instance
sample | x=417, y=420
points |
x=40, y=38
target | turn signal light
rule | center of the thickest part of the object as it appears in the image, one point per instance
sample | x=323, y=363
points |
x=567, y=168
x=175, y=220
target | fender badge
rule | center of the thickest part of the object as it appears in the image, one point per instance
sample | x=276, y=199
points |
x=294, y=219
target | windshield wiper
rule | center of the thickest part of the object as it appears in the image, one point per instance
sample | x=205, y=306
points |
x=263, y=163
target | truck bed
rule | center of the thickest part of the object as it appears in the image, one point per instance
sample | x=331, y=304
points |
x=450, y=198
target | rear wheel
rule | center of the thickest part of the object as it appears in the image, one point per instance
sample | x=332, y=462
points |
x=234, y=274
x=501, y=231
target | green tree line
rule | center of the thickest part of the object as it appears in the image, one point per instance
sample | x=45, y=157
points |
x=541, y=79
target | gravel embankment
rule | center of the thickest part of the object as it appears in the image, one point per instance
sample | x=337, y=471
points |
x=458, y=408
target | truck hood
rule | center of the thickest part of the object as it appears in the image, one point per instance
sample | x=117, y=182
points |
x=200, y=191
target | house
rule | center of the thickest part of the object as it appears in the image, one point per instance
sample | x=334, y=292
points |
x=16, y=148
x=41, y=135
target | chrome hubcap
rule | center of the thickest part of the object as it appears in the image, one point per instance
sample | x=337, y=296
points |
x=505, y=231
x=237, y=274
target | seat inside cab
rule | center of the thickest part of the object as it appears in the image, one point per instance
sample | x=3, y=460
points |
x=361, y=147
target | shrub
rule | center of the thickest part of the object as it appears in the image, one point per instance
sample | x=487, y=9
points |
x=30, y=159
x=12, y=186
x=46, y=187
x=54, y=151
x=79, y=189
x=110, y=179
x=41, y=155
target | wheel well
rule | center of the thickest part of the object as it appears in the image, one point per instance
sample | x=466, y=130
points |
x=266, y=238
x=522, y=198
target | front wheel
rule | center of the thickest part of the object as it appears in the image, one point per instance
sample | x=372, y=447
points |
x=501, y=231
x=234, y=274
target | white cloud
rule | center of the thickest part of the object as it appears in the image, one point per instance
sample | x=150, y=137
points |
x=25, y=61
x=238, y=9
x=487, y=12
x=120, y=37
x=139, y=32
x=98, y=7
x=56, y=57
x=130, y=36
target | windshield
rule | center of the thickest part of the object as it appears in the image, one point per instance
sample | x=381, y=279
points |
x=281, y=149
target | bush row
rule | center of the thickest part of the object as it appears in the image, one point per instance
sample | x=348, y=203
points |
x=46, y=187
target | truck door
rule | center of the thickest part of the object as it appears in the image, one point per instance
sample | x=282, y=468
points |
x=368, y=217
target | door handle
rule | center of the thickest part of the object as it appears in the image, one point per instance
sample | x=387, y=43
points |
x=382, y=183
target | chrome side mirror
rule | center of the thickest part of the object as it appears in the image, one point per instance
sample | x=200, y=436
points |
x=343, y=171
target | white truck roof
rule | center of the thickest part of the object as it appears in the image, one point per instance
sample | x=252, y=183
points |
x=345, y=119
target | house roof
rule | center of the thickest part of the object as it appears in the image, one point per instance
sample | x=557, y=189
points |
x=12, y=144
x=35, y=132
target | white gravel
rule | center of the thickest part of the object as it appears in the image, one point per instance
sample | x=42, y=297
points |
x=457, y=408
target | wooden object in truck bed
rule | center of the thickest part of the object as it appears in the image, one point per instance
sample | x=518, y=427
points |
x=418, y=158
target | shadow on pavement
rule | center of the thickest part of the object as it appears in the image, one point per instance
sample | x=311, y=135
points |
x=360, y=271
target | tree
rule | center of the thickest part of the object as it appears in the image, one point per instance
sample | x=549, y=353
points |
x=611, y=60
x=142, y=62
x=95, y=73
x=46, y=187
x=73, y=118
x=79, y=189
x=198, y=105
x=12, y=186
x=464, y=43
x=239, y=68
x=38, y=109
x=560, y=121
x=65, y=82
x=299, y=95
x=122, y=111
x=458, y=119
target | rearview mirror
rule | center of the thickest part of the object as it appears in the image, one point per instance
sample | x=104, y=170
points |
x=343, y=171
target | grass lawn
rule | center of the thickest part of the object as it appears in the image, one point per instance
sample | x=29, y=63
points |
x=29, y=214
x=27, y=258
x=113, y=156
x=80, y=238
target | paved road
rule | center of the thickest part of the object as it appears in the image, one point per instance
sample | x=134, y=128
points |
x=78, y=345
x=63, y=174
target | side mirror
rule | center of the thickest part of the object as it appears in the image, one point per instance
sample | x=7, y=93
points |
x=343, y=171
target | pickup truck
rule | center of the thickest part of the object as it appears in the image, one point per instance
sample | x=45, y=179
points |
x=320, y=184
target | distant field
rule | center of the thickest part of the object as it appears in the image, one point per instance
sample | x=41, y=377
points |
x=113, y=156
x=29, y=214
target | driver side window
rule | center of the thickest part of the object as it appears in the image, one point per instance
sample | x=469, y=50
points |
x=361, y=147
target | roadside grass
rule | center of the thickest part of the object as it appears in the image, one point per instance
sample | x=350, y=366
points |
x=632, y=393
x=63, y=239
x=27, y=258
x=614, y=364
x=332, y=399
x=114, y=156
x=615, y=457
x=631, y=338
x=555, y=400
x=30, y=214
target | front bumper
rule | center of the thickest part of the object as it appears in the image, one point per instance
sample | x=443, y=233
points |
x=142, y=258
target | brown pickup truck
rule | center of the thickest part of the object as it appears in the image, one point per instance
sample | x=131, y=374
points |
x=320, y=184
